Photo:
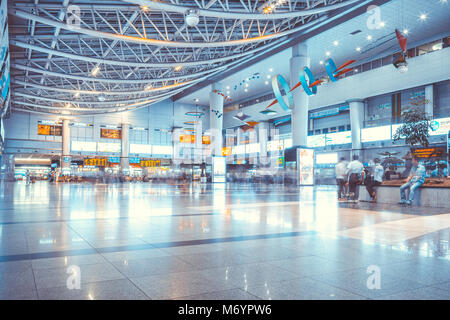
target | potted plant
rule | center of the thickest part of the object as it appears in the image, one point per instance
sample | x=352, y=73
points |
x=415, y=128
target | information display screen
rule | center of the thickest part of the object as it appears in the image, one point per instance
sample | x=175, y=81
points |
x=110, y=133
x=48, y=130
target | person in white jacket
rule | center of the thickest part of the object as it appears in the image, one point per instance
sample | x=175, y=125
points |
x=341, y=178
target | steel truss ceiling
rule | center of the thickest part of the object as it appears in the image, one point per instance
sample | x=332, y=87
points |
x=128, y=54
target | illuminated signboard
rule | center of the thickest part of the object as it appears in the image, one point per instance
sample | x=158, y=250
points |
x=141, y=148
x=343, y=137
x=150, y=163
x=48, y=130
x=134, y=160
x=376, y=134
x=316, y=141
x=306, y=166
x=240, y=149
x=108, y=147
x=114, y=160
x=87, y=146
x=167, y=150
x=110, y=133
x=429, y=152
x=96, y=162
x=187, y=138
x=206, y=140
x=226, y=151
x=439, y=126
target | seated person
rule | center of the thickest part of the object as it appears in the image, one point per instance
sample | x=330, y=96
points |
x=414, y=181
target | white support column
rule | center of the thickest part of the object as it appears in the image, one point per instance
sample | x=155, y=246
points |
x=356, y=121
x=125, y=147
x=216, y=119
x=65, y=156
x=429, y=98
x=263, y=138
x=299, y=115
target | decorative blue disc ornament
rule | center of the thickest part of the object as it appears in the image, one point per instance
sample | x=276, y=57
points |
x=330, y=66
x=305, y=84
x=276, y=90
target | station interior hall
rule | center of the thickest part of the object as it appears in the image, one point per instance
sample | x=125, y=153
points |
x=224, y=150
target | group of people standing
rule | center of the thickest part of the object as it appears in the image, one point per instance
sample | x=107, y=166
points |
x=350, y=175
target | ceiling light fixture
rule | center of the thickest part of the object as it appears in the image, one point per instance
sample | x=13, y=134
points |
x=358, y=49
x=335, y=43
x=423, y=16
x=95, y=71
x=192, y=19
x=178, y=68
x=328, y=53
x=321, y=62
x=405, y=31
x=369, y=37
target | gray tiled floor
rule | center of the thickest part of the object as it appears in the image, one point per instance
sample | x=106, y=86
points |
x=148, y=241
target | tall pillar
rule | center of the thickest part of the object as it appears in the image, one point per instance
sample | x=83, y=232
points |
x=356, y=121
x=125, y=147
x=429, y=99
x=216, y=119
x=299, y=115
x=263, y=137
x=65, y=157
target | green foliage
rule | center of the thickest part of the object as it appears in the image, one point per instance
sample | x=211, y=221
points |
x=415, y=128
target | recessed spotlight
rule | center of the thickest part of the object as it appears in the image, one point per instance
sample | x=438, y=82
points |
x=423, y=17
x=178, y=68
x=358, y=49
x=268, y=76
x=266, y=82
x=321, y=62
x=328, y=53
x=335, y=42
x=196, y=99
x=405, y=31
x=246, y=85
x=228, y=92
x=382, y=24
x=271, y=70
x=228, y=87
x=369, y=37
x=246, y=90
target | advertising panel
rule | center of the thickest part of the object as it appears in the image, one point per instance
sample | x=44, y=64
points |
x=305, y=158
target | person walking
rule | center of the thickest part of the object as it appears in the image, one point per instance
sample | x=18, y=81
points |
x=341, y=178
x=413, y=182
x=377, y=179
x=354, y=172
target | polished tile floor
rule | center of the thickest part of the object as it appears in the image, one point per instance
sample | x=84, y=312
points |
x=144, y=241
